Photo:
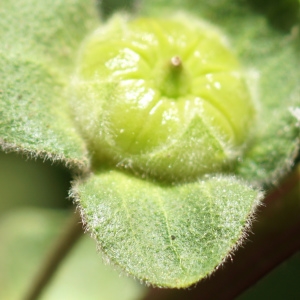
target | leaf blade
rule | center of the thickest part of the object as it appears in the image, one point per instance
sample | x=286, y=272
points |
x=34, y=114
x=169, y=236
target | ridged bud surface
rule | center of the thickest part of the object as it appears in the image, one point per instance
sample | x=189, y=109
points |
x=163, y=97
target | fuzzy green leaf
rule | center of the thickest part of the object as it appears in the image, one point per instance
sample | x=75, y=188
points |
x=170, y=236
x=38, y=42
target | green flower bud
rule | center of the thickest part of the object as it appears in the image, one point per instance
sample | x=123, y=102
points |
x=163, y=97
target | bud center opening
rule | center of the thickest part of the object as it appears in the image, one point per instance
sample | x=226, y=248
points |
x=173, y=81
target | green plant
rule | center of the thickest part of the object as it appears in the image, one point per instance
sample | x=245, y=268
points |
x=153, y=210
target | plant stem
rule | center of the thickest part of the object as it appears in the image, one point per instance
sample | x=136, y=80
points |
x=62, y=246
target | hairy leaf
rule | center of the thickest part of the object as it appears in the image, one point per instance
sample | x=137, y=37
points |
x=169, y=236
x=38, y=41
